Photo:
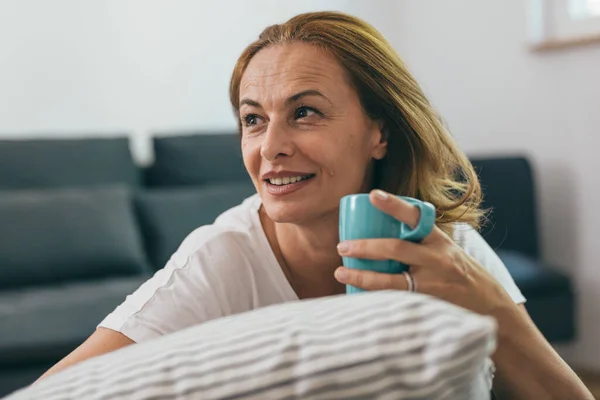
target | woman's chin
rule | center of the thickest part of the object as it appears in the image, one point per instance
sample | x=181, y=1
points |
x=291, y=212
x=286, y=214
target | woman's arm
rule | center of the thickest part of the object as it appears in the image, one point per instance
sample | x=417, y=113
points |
x=102, y=341
x=527, y=367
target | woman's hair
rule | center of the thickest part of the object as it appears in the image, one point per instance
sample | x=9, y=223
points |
x=422, y=159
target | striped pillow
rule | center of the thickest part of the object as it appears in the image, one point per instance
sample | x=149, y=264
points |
x=378, y=345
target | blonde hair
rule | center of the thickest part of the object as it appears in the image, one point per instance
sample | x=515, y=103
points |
x=422, y=160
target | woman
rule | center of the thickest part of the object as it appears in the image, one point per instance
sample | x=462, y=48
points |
x=325, y=109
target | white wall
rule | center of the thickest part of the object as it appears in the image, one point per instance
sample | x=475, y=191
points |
x=108, y=66
x=69, y=67
x=496, y=96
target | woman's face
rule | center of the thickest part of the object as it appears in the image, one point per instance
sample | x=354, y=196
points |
x=306, y=140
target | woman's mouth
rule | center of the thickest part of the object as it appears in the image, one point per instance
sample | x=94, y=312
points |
x=288, y=179
x=286, y=185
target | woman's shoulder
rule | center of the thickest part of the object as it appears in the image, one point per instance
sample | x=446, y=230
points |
x=473, y=243
x=465, y=235
x=210, y=275
x=233, y=233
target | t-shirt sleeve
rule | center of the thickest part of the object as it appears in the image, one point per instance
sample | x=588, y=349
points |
x=476, y=246
x=192, y=288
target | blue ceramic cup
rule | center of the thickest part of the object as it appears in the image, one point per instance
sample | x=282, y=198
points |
x=359, y=219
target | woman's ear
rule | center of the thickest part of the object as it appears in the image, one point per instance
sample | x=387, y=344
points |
x=380, y=148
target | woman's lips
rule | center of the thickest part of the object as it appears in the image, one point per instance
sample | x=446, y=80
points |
x=284, y=189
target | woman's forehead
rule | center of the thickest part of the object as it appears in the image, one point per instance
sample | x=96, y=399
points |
x=278, y=72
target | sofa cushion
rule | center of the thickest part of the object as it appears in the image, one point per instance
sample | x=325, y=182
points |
x=531, y=276
x=167, y=216
x=51, y=236
x=40, y=325
x=392, y=344
x=48, y=163
x=196, y=160
x=12, y=379
x=551, y=301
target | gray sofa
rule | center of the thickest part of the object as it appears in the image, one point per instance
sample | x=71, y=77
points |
x=82, y=226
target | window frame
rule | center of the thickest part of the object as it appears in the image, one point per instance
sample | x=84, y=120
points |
x=555, y=24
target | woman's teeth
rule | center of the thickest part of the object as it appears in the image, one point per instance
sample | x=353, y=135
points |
x=287, y=180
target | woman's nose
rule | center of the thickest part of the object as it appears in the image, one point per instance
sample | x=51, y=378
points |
x=277, y=143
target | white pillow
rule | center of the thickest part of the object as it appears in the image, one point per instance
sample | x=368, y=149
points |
x=378, y=345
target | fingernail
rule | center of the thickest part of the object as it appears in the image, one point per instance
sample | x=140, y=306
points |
x=343, y=247
x=341, y=274
x=380, y=194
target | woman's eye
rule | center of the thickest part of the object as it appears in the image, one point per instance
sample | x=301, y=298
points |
x=303, y=112
x=250, y=119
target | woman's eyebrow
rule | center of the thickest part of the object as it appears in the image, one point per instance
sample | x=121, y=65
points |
x=250, y=102
x=289, y=100
x=304, y=93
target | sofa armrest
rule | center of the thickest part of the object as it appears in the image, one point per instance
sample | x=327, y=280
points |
x=549, y=293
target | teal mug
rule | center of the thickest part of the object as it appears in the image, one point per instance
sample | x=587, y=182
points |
x=359, y=219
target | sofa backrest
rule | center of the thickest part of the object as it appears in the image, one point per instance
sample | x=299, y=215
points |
x=52, y=163
x=66, y=212
x=509, y=191
x=196, y=159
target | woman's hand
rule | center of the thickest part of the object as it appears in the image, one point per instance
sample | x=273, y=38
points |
x=438, y=265
x=527, y=366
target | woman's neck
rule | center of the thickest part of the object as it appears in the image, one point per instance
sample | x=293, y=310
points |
x=307, y=254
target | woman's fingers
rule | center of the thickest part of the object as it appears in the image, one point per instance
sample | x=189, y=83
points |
x=369, y=280
x=402, y=210
x=408, y=253
x=396, y=207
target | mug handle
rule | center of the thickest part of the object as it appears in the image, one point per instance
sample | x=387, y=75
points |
x=426, y=220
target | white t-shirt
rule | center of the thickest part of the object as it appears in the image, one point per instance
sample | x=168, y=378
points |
x=228, y=268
